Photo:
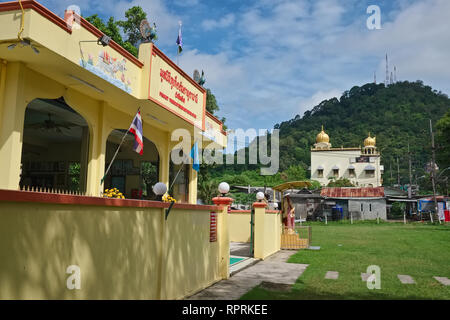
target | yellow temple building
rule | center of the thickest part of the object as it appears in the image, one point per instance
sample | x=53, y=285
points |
x=66, y=100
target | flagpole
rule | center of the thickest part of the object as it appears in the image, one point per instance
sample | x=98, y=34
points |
x=179, y=42
x=117, y=151
x=173, y=181
x=184, y=156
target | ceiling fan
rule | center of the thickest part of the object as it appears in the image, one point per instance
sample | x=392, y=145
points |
x=22, y=42
x=50, y=125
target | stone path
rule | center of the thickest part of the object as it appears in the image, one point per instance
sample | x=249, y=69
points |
x=445, y=281
x=272, y=272
x=332, y=275
x=405, y=279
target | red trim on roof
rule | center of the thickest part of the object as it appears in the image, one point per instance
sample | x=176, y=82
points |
x=46, y=13
x=342, y=192
x=215, y=119
x=39, y=8
x=177, y=68
x=96, y=32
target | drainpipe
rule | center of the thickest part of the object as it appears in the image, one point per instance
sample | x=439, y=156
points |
x=2, y=85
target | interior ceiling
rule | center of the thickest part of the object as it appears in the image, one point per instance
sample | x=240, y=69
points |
x=38, y=112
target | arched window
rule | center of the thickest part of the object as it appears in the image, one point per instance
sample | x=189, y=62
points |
x=132, y=174
x=55, y=147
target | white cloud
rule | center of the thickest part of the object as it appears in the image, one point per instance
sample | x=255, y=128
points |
x=316, y=98
x=281, y=57
x=224, y=22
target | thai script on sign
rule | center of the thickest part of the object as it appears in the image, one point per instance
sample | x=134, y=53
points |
x=165, y=75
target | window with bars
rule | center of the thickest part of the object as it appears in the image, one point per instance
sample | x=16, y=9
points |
x=320, y=173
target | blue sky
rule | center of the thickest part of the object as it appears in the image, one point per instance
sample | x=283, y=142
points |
x=269, y=60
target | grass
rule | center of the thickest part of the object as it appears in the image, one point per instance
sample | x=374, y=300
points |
x=421, y=251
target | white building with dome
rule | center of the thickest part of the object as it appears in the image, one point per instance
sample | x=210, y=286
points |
x=359, y=165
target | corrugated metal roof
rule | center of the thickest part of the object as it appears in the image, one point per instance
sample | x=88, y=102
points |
x=337, y=192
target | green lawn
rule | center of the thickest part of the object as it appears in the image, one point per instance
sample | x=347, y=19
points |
x=421, y=251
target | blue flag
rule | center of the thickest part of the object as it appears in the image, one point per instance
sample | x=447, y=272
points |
x=194, y=156
x=179, y=40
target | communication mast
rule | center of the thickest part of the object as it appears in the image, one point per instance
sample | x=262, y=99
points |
x=386, y=82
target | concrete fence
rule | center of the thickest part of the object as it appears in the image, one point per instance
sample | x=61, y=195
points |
x=125, y=249
x=239, y=225
x=268, y=227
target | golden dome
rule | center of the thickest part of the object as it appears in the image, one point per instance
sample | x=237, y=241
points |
x=369, y=141
x=322, y=137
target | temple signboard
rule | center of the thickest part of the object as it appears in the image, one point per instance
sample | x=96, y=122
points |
x=175, y=91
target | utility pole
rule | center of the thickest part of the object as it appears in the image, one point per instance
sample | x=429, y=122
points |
x=392, y=178
x=433, y=169
x=410, y=181
x=398, y=173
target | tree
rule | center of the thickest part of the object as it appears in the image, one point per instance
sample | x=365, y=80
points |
x=211, y=102
x=149, y=174
x=131, y=26
x=111, y=29
x=443, y=141
x=341, y=182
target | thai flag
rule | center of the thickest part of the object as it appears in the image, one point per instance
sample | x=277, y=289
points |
x=136, y=129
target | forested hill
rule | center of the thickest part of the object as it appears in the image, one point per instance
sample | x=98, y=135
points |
x=397, y=115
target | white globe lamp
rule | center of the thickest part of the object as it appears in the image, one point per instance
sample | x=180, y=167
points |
x=224, y=188
x=260, y=196
x=159, y=189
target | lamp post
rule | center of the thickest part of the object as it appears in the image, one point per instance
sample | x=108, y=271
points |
x=224, y=188
x=223, y=237
x=159, y=189
x=260, y=196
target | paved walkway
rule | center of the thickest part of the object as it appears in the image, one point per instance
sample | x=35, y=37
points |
x=333, y=275
x=274, y=271
x=405, y=279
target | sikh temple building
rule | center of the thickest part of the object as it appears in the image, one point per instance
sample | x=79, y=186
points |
x=359, y=165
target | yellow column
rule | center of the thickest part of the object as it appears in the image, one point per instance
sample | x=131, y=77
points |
x=97, y=150
x=3, y=64
x=260, y=211
x=11, y=126
x=193, y=176
x=84, y=152
x=164, y=158
x=223, y=236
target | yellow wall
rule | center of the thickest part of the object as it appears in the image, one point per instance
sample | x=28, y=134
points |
x=267, y=233
x=272, y=233
x=118, y=249
x=239, y=226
